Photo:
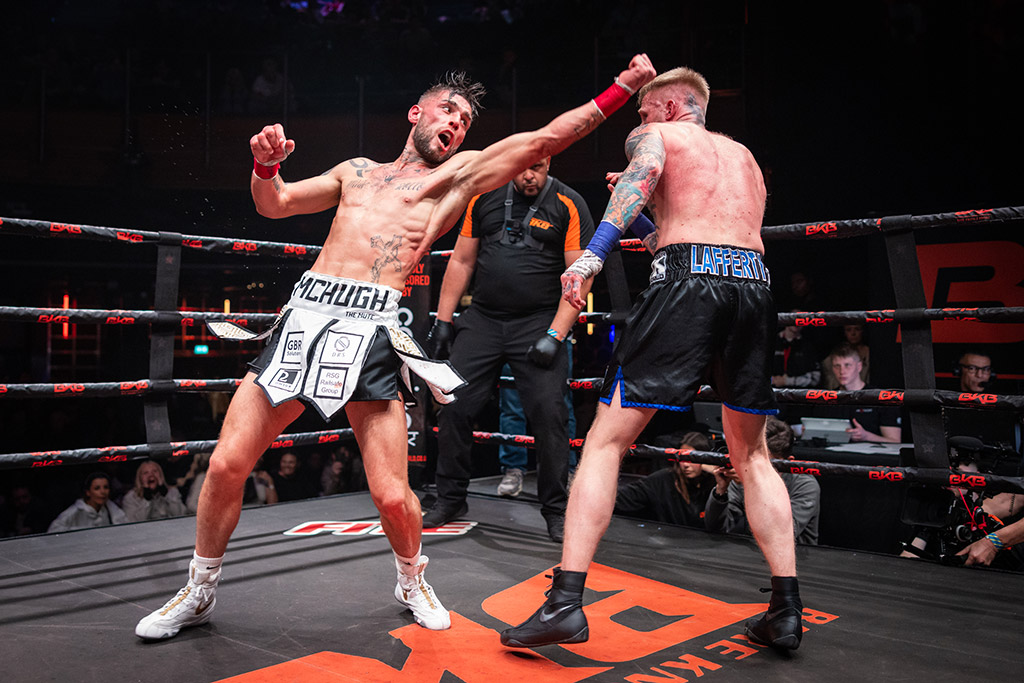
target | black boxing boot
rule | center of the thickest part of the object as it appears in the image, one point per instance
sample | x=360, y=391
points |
x=559, y=620
x=782, y=625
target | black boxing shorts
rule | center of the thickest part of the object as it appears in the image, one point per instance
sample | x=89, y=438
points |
x=707, y=317
x=339, y=340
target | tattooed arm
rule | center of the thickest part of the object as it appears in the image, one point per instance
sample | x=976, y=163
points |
x=634, y=189
x=274, y=198
x=635, y=186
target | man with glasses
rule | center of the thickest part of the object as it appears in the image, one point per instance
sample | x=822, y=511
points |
x=975, y=371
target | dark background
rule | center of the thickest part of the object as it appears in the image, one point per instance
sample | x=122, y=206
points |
x=118, y=113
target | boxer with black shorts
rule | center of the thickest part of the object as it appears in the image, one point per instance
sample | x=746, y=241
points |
x=386, y=217
x=708, y=313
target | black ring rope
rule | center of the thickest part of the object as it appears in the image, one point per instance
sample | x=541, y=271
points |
x=1013, y=314
x=207, y=243
x=936, y=477
x=117, y=317
x=892, y=397
x=308, y=252
x=830, y=229
x=157, y=451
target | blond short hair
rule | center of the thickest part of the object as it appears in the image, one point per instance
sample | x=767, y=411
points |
x=681, y=76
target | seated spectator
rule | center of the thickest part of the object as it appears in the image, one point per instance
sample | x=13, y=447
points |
x=259, y=487
x=676, y=494
x=289, y=483
x=343, y=473
x=975, y=372
x=796, y=361
x=93, y=509
x=151, y=498
x=974, y=375
x=854, y=335
x=868, y=423
x=725, y=511
x=21, y=514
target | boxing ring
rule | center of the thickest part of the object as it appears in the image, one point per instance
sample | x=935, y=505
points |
x=665, y=603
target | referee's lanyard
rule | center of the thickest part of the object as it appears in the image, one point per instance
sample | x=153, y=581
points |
x=533, y=209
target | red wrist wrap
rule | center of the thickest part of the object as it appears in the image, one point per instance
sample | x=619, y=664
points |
x=264, y=172
x=611, y=99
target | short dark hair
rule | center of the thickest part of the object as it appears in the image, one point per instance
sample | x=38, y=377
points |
x=93, y=477
x=779, y=436
x=974, y=351
x=459, y=83
x=845, y=350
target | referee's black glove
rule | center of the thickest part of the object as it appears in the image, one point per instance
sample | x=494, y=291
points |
x=544, y=351
x=439, y=340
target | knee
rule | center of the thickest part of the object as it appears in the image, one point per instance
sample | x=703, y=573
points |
x=226, y=471
x=392, y=502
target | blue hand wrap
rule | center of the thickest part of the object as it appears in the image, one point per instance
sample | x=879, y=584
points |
x=605, y=238
x=642, y=226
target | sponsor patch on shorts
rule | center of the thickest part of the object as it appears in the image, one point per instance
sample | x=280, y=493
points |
x=292, y=354
x=658, y=268
x=330, y=382
x=340, y=348
x=286, y=379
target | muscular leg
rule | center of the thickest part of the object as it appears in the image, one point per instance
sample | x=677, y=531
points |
x=592, y=498
x=382, y=436
x=767, y=501
x=250, y=426
x=591, y=502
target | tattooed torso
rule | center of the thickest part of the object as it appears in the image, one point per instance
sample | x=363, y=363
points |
x=384, y=220
x=709, y=188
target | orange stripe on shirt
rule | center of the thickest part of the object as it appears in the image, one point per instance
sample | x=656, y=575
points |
x=467, y=223
x=572, y=234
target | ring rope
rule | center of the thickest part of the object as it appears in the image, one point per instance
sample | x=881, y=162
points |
x=825, y=229
x=157, y=451
x=207, y=243
x=892, y=397
x=1011, y=314
x=131, y=317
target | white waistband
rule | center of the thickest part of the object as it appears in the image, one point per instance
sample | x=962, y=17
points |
x=340, y=297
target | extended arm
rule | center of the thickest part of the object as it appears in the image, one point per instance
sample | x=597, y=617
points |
x=646, y=151
x=543, y=352
x=499, y=163
x=275, y=198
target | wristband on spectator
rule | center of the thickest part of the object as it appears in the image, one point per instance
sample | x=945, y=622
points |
x=554, y=335
x=642, y=226
x=604, y=240
x=996, y=541
x=264, y=172
x=611, y=99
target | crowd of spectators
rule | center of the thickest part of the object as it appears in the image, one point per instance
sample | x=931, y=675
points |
x=115, y=493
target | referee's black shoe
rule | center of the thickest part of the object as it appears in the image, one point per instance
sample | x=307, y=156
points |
x=440, y=513
x=782, y=625
x=559, y=620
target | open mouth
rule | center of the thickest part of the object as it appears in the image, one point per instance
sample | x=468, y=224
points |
x=446, y=138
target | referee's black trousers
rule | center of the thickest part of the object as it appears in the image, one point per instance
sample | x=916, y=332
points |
x=482, y=345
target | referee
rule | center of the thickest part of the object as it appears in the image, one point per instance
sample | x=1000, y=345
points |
x=517, y=240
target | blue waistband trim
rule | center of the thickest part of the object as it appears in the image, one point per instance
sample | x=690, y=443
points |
x=752, y=411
